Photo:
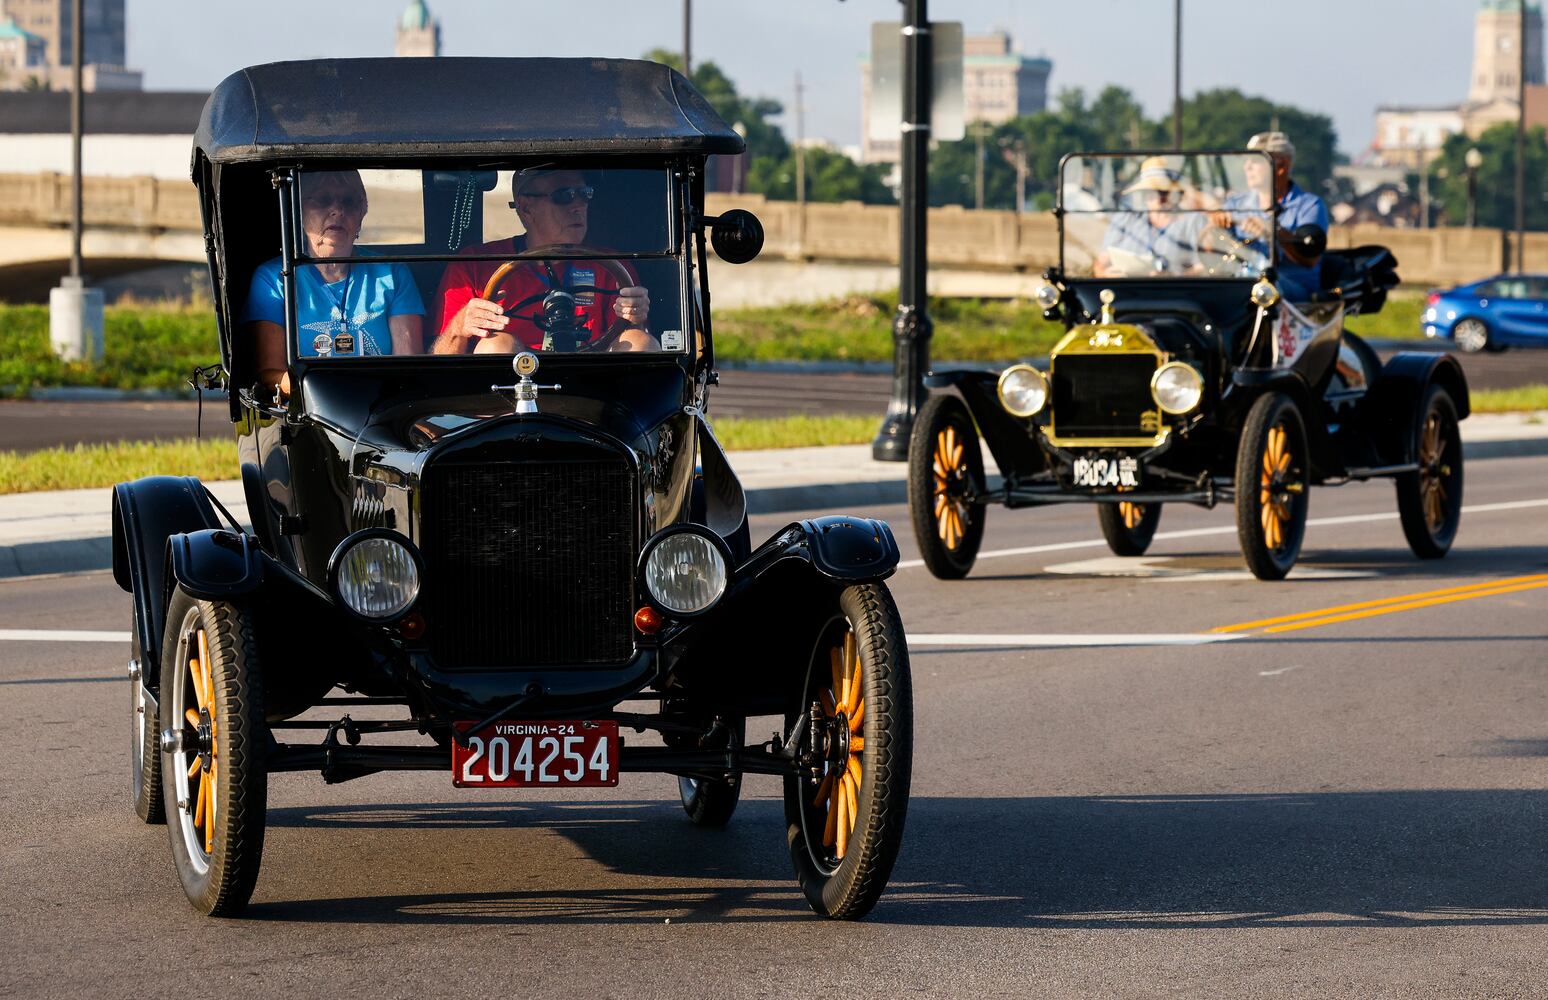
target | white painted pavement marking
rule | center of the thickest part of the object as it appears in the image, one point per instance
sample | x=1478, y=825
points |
x=60, y=635
x=1274, y=673
x=1032, y=640
x=1027, y=550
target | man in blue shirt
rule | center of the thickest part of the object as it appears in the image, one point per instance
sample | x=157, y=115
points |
x=1246, y=214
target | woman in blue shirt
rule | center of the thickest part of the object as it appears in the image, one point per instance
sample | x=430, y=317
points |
x=341, y=309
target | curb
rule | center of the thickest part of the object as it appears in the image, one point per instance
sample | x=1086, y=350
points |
x=76, y=555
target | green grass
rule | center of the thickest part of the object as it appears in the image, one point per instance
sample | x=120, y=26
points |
x=1526, y=397
x=84, y=466
x=748, y=433
x=1398, y=319
x=145, y=347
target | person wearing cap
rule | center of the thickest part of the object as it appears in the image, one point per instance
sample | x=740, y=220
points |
x=1164, y=236
x=1245, y=214
x=553, y=207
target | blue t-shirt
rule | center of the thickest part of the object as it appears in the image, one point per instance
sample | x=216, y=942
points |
x=1173, y=247
x=1298, y=207
x=342, y=318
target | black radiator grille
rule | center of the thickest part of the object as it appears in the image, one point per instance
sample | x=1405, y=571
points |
x=529, y=564
x=1104, y=395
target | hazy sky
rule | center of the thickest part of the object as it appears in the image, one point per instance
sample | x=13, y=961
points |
x=1339, y=57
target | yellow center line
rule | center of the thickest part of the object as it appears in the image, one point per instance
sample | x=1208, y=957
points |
x=1536, y=579
x=1407, y=607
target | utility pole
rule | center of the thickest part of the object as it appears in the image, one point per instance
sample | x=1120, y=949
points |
x=1424, y=188
x=911, y=328
x=978, y=166
x=800, y=165
x=75, y=311
x=1521, y=69
x=1177, y=75
x=688, y=39
x=1021, y=179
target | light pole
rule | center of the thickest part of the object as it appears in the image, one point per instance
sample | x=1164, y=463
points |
x=1177, y=76
x=1474, y=159
x=75, y=311
x=740, y=166
x=1521, y=69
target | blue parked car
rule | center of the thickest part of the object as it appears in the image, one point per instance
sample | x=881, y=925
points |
x=1507, y=310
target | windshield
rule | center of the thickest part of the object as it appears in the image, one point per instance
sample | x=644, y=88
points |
x=1167, y=216
x=575, y=258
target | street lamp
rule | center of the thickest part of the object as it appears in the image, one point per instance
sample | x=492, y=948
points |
x=1474, y=159
x=741, y=160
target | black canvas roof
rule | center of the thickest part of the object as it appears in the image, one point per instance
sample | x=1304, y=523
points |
x=401, y=107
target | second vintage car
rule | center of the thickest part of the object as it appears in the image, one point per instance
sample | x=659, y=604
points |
x=1185, y=377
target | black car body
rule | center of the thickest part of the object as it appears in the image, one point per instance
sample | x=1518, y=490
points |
x=1185, y=377
x=431, y=534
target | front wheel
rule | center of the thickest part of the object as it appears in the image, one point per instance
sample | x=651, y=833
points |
x=212, y=744
x=144, y=734
x=845, y=809
x=1272, y=477
x=1128, y=527
x=1430, y=500
x=945, y=473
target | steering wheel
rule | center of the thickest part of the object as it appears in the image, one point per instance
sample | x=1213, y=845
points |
x=619, y=273
x=1235, y=256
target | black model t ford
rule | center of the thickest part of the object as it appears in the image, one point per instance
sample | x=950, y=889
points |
x=1185, y=376
x=454, y=568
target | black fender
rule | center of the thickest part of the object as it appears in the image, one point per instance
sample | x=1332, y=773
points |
x=215, y=564
x=146, y=512
x=1247, y=384
x=725, y=502
x=1010, y=438
x=1388, y=409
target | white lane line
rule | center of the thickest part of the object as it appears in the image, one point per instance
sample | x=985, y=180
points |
x=1274, y=673
x=1033, y=640
x=1027, y=550
x=60, y=635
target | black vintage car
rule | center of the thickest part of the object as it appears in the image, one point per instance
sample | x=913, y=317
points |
x=1187, y=376
x=458, y=568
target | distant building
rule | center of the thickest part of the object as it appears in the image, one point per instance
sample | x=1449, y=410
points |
x=419, y=34
x=22, y=55
x=1409, y=136
x=50, y=21
x=998, y=84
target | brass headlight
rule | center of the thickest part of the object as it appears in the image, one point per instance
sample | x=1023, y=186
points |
x=1047, y=296
x=1023, y=390
x=1176, y=387
x=1264, y=294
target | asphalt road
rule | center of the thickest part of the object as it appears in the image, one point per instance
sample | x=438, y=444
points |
x=1356, y=808
x=27, y=425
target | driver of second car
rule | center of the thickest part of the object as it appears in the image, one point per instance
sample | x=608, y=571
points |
x=553, y=206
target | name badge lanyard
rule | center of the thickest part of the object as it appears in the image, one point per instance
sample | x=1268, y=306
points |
x=345, y=340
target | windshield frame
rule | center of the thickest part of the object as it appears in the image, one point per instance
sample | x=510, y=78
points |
x=1139, y=155
x=678, y=202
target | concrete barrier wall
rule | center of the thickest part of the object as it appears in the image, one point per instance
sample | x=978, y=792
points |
x=846, y=233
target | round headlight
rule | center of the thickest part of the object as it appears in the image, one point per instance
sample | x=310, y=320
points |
x=1264, y=294
x=1023, y=390
x=377, y=577
x=1047, y=296
x=685, y=572
x=1177, y=387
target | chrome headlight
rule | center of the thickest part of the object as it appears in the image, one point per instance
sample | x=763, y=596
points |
x=1177, y=387
x=1023, y=390
x=1264, y=294
x=1047, y=296
x=375, y=574
x=685, y=571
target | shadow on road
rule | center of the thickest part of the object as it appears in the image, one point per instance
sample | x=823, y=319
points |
x=1379, y=859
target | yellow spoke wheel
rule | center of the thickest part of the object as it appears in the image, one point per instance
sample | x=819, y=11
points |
x=845, y=807
x=1430, y=498
x=1272, y=479
x=1127, y=526
x=946, y=473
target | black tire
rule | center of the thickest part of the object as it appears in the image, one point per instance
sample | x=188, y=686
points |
x=945, y=465
x=843, y=876
x=1430, y=500
x=1128, y=527
x=217, y=857
x=712, y=801
x=144, y=740
x=1271, y=503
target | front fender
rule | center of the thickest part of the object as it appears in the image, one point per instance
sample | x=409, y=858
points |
x=215, y=564
x=146, y=512
x=1008, y=438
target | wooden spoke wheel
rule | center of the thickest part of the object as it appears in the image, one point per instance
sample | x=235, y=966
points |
x=1272, y=479
x=1128, y=527
x=846, y=808
x=710, y=800
x=144, y=734
x=945, y=479
x=213, y=778
x=1430, y=500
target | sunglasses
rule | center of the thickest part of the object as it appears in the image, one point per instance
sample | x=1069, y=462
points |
x=564, y=195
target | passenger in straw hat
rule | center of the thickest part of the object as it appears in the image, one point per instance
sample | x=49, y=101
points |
x=1163, y=238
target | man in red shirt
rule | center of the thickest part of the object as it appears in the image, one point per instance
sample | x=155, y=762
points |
x=552, y=205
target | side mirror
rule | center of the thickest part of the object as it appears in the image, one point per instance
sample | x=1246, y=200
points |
x=737, y=236
x=1309, y=240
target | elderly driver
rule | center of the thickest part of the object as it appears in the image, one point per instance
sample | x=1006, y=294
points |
x=553, y=206
x=1163, y=236
x=1246, y=214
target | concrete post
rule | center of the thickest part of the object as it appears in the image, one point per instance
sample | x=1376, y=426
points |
x=75, y=320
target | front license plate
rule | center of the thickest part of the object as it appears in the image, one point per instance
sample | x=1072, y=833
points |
x=1113, y=470
x=547, y=754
